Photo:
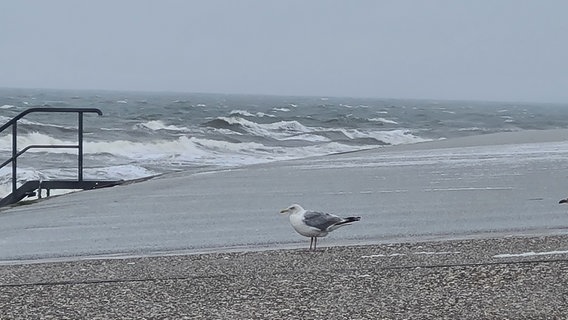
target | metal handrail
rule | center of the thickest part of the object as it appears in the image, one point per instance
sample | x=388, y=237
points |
x=15, y=153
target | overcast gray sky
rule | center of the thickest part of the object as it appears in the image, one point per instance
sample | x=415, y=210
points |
x=515, y=50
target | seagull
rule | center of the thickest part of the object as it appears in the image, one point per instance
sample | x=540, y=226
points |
x=315, y=224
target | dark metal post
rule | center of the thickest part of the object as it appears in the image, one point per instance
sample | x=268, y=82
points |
x=80, y=156
x=26, y=188
x=14, y=156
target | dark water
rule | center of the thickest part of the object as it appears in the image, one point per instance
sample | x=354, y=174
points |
x=142, y=134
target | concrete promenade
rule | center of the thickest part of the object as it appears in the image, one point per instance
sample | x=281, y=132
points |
x=419, y=191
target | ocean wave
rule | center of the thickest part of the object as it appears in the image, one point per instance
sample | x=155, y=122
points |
x=24, y=174
x=221, y=151
x=156, y=125
x=35, y=138
x=386, y=137
x=118, y=172
x=294, y=130
x=182, y=149
x=4, y=119
x=475, y=129
x=192, y=151
x=224, y=130
x=30, y=125
x=276, y=130
x=311, y=137
x=383, y=120
x=245, y=113
x=397, y=137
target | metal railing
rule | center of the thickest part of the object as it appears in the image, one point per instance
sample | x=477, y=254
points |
x=79, y=146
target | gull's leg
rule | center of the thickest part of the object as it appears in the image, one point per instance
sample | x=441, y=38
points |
x=311, y=242
x=315, y=242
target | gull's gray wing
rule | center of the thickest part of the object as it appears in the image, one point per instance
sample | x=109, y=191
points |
x=320, y=220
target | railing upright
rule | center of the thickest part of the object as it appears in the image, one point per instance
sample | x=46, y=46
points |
x=15, y=154
x=80, y=147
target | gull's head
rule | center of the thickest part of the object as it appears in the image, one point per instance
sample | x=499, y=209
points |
x=295, y=208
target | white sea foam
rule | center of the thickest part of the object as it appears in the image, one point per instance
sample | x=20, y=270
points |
x=513, y=154
x=124, y=172
x=193, y=150
x=7, y=106
x=308, y=137
x=294, y=130
x=471, y=129
x=383, y=120
x=248, y=114
x=35, y=138
x=182, y=149
x=276, y=130
x=24, y=174
x=144, y=151
x=392, y=137
x=4, y=119
x=160, y=125
x=288, y=126
x=201, y=151
x=226, y=132
x=27, y=122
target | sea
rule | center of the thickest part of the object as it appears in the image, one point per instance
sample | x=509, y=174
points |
x=143, y=134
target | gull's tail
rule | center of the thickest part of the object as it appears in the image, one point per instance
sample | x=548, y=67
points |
x=348, y=220
x=344, y=222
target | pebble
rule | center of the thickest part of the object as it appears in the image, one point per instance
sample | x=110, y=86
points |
x=454, y=279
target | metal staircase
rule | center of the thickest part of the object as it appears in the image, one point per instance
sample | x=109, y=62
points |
x=30, y=188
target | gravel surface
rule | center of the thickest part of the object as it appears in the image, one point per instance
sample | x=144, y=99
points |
x=503, y=278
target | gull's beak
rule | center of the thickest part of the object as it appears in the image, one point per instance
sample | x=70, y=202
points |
x=284, y=211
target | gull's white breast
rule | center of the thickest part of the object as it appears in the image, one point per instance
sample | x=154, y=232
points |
x=297, y=222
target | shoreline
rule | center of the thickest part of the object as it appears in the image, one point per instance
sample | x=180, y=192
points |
x=489, y=139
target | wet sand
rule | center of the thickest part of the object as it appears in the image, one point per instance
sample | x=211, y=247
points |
x=497, y=278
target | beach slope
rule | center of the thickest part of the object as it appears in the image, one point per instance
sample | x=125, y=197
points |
x=507, y=183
